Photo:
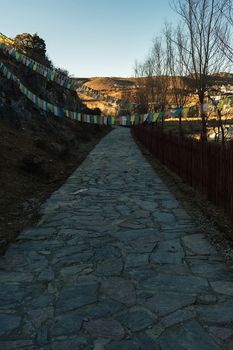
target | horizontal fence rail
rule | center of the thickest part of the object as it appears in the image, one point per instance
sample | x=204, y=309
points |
x=208, y=167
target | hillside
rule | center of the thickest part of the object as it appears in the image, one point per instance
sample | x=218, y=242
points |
x=38, y=150
x=125, y=88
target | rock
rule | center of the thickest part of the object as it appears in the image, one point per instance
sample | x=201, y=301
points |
x=63, y=344
x=8, y=324
x=105, y=329
x=188, y=336
x=77, y=295
x=168, y=252
x=222, y=287
x=218, y=314
x=120, y=290
x=145, y=342
x=197, y=244
x=172, y=283
x=136, y=320
x=165, y=303
x=67, y=324
x=122, y=345
x=105, y=307
x=17, y=344
x=222, y=333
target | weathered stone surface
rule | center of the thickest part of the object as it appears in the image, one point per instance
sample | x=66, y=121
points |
x=105, y=329
x=110, y=267
x=219, y=314
x=222, y=287
x=75, y=296
x=189, y=336
x=165, y=303
x=17, y=345
x=11, y=295
x=67, y=324
x=222, y=333
x=168, y=252
x=182, y=284
x=210, y=269
x=198, y=245
x=136, y=320
x=136, y=260
x=74, y=343
x=119, y=289
x=123, y=345
x=177, y=317
x=206, y=299
x=104, y=308
x=8, y=323
x=145, y=342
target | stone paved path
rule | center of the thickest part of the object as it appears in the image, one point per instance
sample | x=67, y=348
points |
x=114, y=264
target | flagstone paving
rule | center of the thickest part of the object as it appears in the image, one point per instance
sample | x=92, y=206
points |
x=114, y=263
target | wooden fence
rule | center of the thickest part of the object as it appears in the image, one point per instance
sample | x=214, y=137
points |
x=208, y=167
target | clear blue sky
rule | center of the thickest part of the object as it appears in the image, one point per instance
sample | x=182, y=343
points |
x=89, y=37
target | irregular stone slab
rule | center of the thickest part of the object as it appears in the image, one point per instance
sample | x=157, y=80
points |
x=105, y=329
x=164, y=218
x=206, y=299
x=168, y=252
x=123, y=345
x=119, y=289
x=107, y=252
x=222, y=333
x=11, y=295
x=71, y=272
x=19, y=276
x=136, y=260
x=8, y=323
x=136, y=320
x=42, y=336
x=46, y=275
x=182, y=284
x=132, y=225
x=67, y=324
x=105, y=307
x=40, y=301
x=222, y=287
x=77, y=295
x=177, y=317
x=169, y=269
x=63, y=344
x=197, y=244
x=165, y=303
x=189, y=336
x=139, y=274
x=145, y=342
x=17, y=345
x=109, y=267
x=35, y=318
x=210, y=269
x=219, y=314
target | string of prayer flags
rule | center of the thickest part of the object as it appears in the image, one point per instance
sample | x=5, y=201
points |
x=46, y=72
x=56, y=110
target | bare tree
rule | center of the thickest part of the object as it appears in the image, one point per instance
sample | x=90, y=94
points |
x=227, y=46
x=176, y=56
x=151, y=78
x=199, y=39
x=141, y=96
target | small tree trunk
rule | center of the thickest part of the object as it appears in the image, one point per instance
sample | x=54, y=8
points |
x=221, y=126
x=180, y=124
x=203, y=118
